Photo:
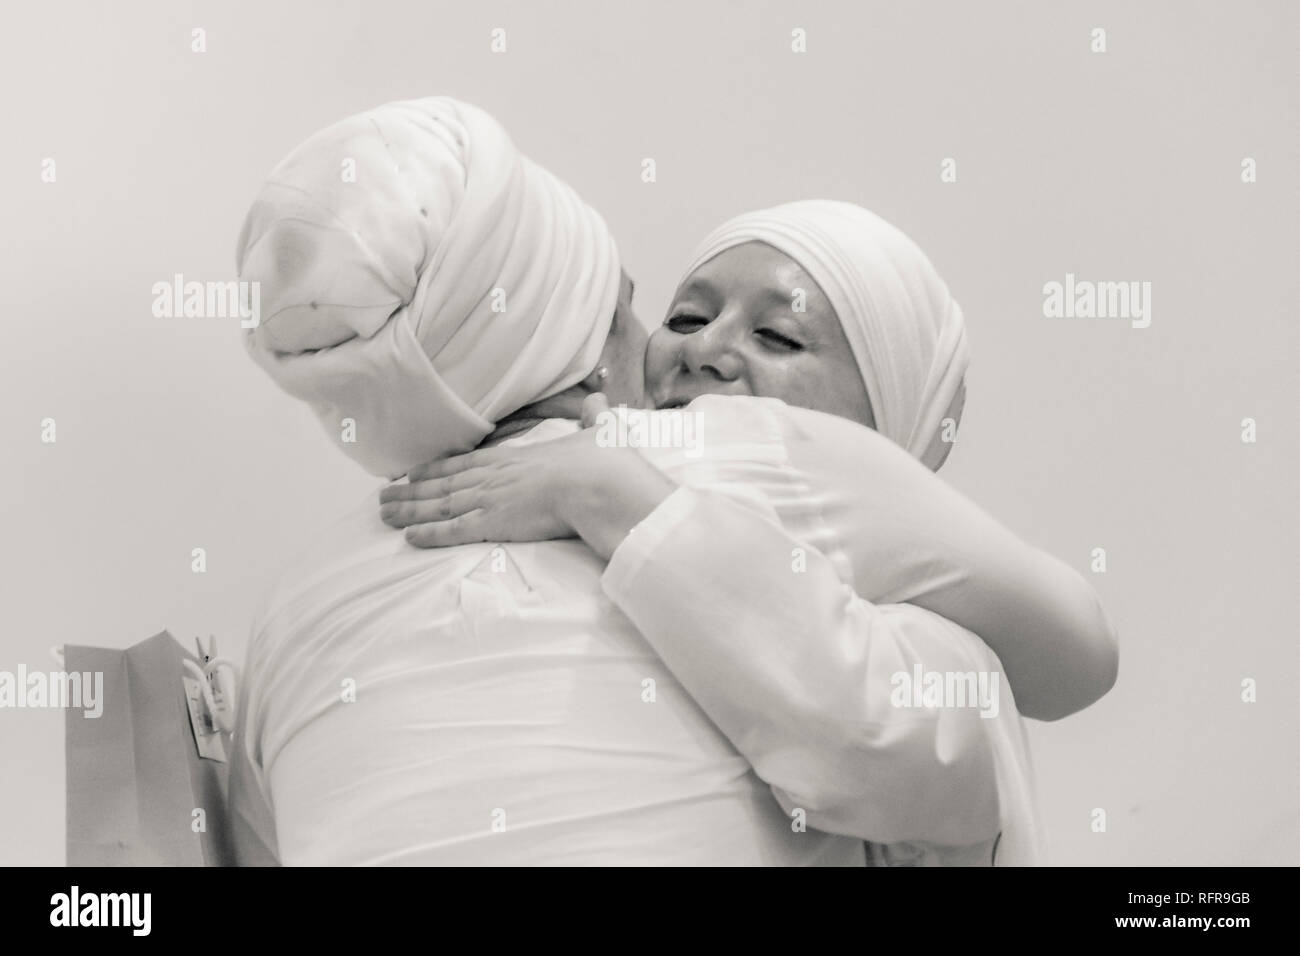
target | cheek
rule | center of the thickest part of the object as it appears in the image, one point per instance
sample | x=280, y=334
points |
x=813, y=383
x=844, y=394
x=660, y=356
x=634, y=348
x=792, y=379
x=631, y=370
x=793, y=389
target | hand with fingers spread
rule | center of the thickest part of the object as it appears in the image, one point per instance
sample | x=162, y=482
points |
x=567, y=487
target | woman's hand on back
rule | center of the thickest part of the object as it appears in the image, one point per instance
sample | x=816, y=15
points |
x=555, y=489
x=493, y=494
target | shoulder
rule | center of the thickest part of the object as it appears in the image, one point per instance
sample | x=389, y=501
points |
x=737, y=425
x=782, y=422
x=813, y=442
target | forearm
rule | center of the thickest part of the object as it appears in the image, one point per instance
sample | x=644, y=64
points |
x=1042, y=620
x=912, y=538
x=1047, y=626
x=612, y=492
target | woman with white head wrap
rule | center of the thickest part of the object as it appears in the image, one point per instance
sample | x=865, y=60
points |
x=905, y=332
x=824, y=306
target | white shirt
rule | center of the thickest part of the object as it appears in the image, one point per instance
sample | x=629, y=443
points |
x=510, y=706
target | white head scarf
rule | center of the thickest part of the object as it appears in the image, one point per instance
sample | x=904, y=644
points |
x=904, y=327
x=421, y=278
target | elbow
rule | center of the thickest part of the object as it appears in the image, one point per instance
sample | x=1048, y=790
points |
x=1109, y=667
x=1092, y=675
x=825, y=769
x=1104, y=669
x=895, y=782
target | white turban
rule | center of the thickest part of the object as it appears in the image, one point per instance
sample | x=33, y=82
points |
x=904, y=327
x=421, y=278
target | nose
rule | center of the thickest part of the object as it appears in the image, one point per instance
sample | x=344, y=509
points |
x=712, y=351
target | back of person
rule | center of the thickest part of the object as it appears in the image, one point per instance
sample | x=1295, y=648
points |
x=483, y=705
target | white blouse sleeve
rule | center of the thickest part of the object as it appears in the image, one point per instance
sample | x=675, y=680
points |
x=798, y=671
x=910, y=537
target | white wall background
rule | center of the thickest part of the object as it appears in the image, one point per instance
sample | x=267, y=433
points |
x=1123, y=166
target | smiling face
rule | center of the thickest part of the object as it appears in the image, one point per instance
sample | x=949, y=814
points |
x=733, y=329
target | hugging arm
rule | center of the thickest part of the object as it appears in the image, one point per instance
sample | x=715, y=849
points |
x=904, y=534
x=797, y=671
x=796, y=666
x=912, y=538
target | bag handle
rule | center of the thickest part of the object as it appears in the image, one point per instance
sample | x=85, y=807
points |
x=219, y=689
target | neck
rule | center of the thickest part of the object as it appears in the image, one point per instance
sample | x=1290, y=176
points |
x=566, y=404
x=510, y=427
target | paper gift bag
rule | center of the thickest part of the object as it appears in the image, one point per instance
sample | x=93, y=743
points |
x=135, y=774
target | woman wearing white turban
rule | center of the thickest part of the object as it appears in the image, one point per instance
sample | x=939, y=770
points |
x=824, y=306
x=877, y=337
x=476, y=284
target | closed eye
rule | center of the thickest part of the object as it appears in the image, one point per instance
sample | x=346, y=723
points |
x=685, y=323
x=777, y=340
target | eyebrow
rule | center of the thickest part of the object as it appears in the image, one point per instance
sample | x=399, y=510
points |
x=783, y=296
x=697, y=287
x=770, y=296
